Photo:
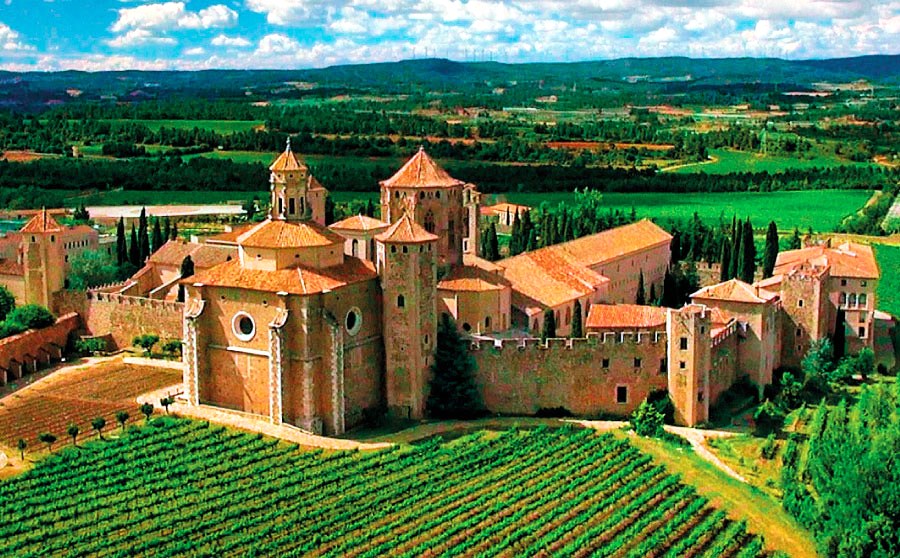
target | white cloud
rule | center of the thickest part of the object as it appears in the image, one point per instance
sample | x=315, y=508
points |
x=290, y=12
x=9, y=40
x=276, y=43
x=196, y=51
x=226, y=41
x=168, y=16
x=139, y=37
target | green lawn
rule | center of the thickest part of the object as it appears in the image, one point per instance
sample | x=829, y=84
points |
x=220, y=126
x=889, y=285
x=150, y=197
x=728, y=161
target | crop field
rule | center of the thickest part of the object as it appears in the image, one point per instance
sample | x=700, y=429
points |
x=78, y=396
x=178, y=487
x=219, y=126
x=889, y=285
x=727, y=161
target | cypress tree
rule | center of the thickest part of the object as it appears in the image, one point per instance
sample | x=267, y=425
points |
x=641, y=298
x=795, y=242
x=175, y=230
x=549, y=329
x=453, y=391
x=654, y=300
x=493, y=242
x=736, y=241
x=532, y=241
x=725, y=259
x=748, y=255
x=157, y=235
x=143, y=237
x=187, y=269
x=771, y=254
x=577, y=329
x=134, y=250
x=121, y=243
x=839, y=339
x=515, y=236
x=167, y=228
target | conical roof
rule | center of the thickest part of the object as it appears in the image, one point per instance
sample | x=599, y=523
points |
x=421, y=171
x=287, y=161
x=405, y=231
x=42, y=222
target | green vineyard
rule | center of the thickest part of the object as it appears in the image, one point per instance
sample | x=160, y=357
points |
x=185, y=488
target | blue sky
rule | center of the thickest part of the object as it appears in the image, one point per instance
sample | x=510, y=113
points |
x=199, y=34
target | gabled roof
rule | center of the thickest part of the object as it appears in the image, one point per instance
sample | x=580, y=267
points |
x=42, y=222
x=597, y=248
x=405, y=231
x=421, y=171
x=299, y=280
x=736, y=290
x=625, y=316
x=467, y=278
x=173, y=252
x=274, y=233
x=287, y=161
x=847, y=260
x=358, y=223
x=547, y=278
x=230, y=237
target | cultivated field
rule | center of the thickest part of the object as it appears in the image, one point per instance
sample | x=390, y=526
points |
x=179, y=487
x=219, y=126
x=77, y=396
x=726, y=161
x=889, y=285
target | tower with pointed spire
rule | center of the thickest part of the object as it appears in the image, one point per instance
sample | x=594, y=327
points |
x=43, y=260
x=296, y=194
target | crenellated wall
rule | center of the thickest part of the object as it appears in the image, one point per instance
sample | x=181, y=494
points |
x=28, y=350
x=522, y=376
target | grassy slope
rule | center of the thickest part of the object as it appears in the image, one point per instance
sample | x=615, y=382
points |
x=889, y=285
x=727, y=161
x=763, y=514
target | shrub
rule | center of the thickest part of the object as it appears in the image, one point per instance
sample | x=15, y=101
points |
x=8, y=329
x=90, y=346
x=172, y=347
x=647, y=420
x=32, y=316
x=7, y=302
x=769, y=448
x=768, y=417
x=146, y=342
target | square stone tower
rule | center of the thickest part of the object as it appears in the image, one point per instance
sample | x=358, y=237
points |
x=688, y=338
x=44, y=259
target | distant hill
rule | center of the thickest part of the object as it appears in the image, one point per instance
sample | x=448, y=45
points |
x=17, y=88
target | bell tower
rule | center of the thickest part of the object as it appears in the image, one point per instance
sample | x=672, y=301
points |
x=296, y=194
x=43, y=259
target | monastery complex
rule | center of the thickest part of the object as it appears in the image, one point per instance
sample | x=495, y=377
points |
x=323, y=327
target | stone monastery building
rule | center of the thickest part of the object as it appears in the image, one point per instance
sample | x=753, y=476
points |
x=322, y=327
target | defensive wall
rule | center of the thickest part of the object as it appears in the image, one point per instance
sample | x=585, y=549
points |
x=120, y=317
x=584, y=376
x=29, y=350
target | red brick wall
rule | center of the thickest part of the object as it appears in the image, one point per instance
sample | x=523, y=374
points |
x=521, y=379
x=28, y=345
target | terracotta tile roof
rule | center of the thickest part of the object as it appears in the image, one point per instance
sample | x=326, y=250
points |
x=173, y=252
x=405, y=231
x=41, y=222
x=358, y=223
x=421, y=171
x=298, y=280
x=622, y=316
x=736, y=290
x=847, y=260
x=287, y=161
x=487, y=265
x=83, y=229
x=772, y=284
x=614, y=243
x=548, y=278
x=230, y=237
x=274, y=233
x=11, y=267
x=466, y=278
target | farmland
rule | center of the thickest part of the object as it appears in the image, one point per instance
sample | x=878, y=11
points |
x=889, y=285
x=77, y=396
x=218, y=126
x=726, y=161
x=179, y=487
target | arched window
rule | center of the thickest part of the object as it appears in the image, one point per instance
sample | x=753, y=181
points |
x=852, y=299
x=429, y=221
x=487, y=322
x=401, y=302
x=568, y=315
x=843, y=299
x=354, y=248
x=862, y=299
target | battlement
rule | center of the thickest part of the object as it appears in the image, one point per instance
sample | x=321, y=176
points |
x=126, y=300
x=605, y=339
x=725, y=333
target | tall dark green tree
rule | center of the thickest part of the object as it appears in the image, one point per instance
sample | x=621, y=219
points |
x=493, y=243
x=549, y=329
x=737, y=238
x=157, y=235
x=175, y=230
x=577, y=325
x=453, y=391
x=134, y=249
x=187, y=269
x=515, y=237
x=771, y=253
x=121, y=243
x=167, y=228
x=839, y=339
x=641, y=297
x=7, y=302
x=747, y=265
x=654, y=298
x=725, y=262
x=795, y=242
x=143, y=237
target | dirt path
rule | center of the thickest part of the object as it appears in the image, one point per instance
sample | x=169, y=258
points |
x=712, y=159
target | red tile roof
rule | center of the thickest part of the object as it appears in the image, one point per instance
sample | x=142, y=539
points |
x=359, y=223
x=405, y=231
x=11, y=267
x=736, y=290
x=287, y=161
x=847, y=260
x=622, y=316
x=614, y=243
x=466, y=278
x=421, y=171
x=548, y=278
x=230, y=237
x=173, y=252
x=298, y=280
x=274, y=233
x=42, y=222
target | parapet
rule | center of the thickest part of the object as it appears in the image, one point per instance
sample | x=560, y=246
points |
x=592, y=340
x=126, y=300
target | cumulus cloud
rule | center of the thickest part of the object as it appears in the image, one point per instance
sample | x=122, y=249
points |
x=226, y=41
x=139, y=37
x=9, y=40
x=169, y=16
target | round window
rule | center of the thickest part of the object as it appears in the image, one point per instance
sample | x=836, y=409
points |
x=353, y=321
x=243, y=326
